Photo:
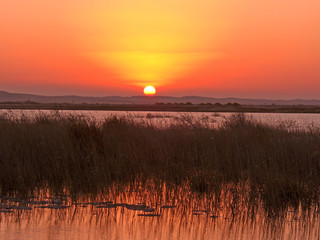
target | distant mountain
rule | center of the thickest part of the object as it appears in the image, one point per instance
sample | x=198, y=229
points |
x=19, y=97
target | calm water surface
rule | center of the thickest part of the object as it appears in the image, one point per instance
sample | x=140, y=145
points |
x=304, y=121
x=149, y=214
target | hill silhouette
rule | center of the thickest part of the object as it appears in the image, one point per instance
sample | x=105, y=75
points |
x=22, y=97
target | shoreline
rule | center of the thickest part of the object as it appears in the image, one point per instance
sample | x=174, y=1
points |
x=231, y=107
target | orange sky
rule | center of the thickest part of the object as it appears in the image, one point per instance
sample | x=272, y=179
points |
x=247, y=48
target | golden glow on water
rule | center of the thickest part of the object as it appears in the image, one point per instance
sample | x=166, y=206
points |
x=194, y=217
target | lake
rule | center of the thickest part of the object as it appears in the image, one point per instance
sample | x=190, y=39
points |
x=148, y=214
x=147, y=211
x=303, y=121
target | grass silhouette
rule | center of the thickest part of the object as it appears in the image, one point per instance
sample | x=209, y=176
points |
x=273, y=164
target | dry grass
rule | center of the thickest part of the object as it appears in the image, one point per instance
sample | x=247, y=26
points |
x=275, y=165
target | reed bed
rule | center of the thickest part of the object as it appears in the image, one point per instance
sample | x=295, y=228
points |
x=277, y=166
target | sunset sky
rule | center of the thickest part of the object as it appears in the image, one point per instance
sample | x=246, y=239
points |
x=217, y=48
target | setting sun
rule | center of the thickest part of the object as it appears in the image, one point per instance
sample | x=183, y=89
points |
x=149, y=90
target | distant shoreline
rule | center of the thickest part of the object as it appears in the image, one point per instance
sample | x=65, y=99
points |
x=163, y=107
x=6, y=97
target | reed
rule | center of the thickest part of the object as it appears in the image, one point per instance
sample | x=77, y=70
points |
x=273, y=164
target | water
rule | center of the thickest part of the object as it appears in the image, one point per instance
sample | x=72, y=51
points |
x=304, y=121
x=122, y=214
x=169, y=215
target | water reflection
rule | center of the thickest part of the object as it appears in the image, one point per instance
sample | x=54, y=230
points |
x=147, y=212
x=294, y=121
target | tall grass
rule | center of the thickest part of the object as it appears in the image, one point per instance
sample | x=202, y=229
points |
x=274, y=164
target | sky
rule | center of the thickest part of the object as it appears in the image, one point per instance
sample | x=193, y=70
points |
x=215, y=48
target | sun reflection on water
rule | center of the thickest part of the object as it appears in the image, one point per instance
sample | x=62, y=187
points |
x=149, y=212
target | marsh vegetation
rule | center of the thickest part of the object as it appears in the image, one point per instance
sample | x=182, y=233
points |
x=242, y=158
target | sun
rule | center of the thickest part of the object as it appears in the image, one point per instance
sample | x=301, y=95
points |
x=149, y=90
